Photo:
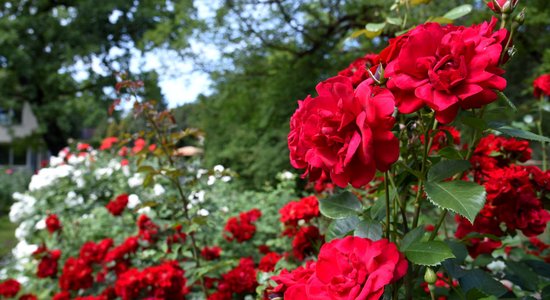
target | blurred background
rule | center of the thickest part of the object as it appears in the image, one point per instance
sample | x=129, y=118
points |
x=234, y=69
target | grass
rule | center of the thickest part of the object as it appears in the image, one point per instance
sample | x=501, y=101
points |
x=7, y=237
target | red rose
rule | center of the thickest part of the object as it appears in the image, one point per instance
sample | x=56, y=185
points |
x=343, y=133
x=357, y=70
x=241, y=279
x=9, y=288
x=63, y=295
x=355, y=268
x=447, y=68
x=441, y=138
x=541, y=86
x=108, y=142
x=292, y=285
x=76, y=275
x=28, y=297
x=268, y=262
x=211, y=253
x=48, y=264
x=148, y=230
x=500, y=6
x=52, y=223
x=242, y=228
x=139, y=144
x=117, y=206
x=305, y=209
x=307, y=240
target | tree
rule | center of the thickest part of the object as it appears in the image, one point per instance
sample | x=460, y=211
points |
x=45, y=44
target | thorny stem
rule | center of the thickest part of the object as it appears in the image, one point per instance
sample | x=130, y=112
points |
x=176, y=182
x=539, y=127
x=386, y=185
x=428, y=139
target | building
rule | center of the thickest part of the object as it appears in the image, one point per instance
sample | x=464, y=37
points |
x=20, y=144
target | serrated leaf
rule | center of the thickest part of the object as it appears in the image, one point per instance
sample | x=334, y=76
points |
x=411, y=237
x=477, y=279
x=369, y=229
x=341, y=227
x=514, y=132
x=429, y=253
x=447, y=168
x=340, y=206
x=458, y=12
x=527, y=279
x=502, y=96
x=464, y=198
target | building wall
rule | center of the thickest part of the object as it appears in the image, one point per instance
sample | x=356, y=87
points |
x=27, y=126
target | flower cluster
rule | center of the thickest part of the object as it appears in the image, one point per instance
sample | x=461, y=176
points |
x=345, y=132
x=242, y=228
x=513, y=194
x=47, y=267
x=295, y=212
x=165, y=281
x=541, y=86
x=239, y=280
x=117, y=205
x=347, y=268
x=52, y=223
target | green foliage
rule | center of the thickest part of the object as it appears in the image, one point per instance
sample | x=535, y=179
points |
x=428, y=253
x=464, y=198
x=340, y=206
x=11, y=181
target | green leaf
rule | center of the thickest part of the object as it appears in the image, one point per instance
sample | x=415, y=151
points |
x=378, y=209
x=464, y=198
x=341, y=227
x=483, y=282
x=411, y=237
x=428, y=253
x=502, y=96
x=458, y=12
x=514, y=132
x=474, y=122
x=540, y=267
x=394, y=21
x=526, y=278
x=340, y=206
x=374, y=29
x=450, y=153
x=447, y=168
x=369, y=229
x=441, y=20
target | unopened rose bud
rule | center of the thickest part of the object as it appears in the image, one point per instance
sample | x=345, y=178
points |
x=520, y=18
x=430, y=277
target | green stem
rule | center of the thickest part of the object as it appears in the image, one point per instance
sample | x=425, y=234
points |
x=542, y=144
x=428, y=139
x=386, y=185
x=438, y=225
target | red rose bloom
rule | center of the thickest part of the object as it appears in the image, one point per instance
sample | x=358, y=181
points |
x=117, y=206
x=441, y=138
x=355, y=268
x=63, y=295
x=211, y=253
x=305, y=209
x=292, y=285
x=343, y=133
x=242, y=228
x=108, y=142
x=48, y=264
x=130, y=245
x=541, y=86
x=242, y=279
x=52, y=223
x=447, y=68
x=357, y=70
x=28, y=297
x=139, y=144
x=9, y=288
x=500, y=6
x=91, y=252
x=306, y=242
x=268, y=262
x=148, y=230
x=76, y=275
